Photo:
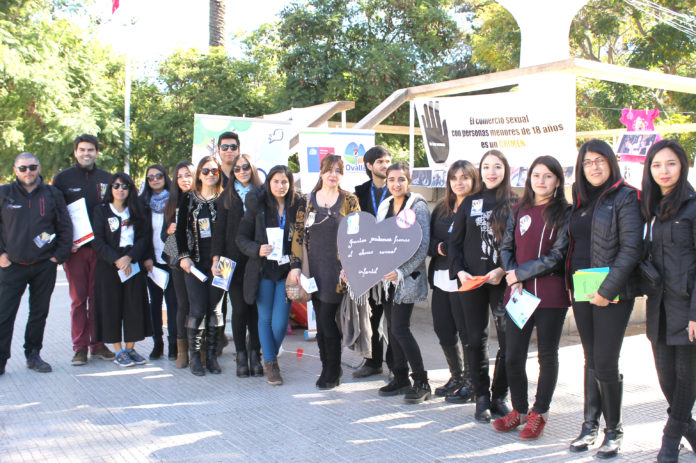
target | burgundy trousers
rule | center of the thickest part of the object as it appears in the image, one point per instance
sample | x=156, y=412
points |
x=79, y=270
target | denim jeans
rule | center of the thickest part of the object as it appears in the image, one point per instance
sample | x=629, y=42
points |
x=274, y=311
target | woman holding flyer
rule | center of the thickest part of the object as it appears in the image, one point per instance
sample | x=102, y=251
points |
x=316, y=228
x=474, y=252
x=604, y=229
x=533, y=252
x=231, y=209
x=669, y=209
x=121, y=236
x=194, y=235
x=265, y=235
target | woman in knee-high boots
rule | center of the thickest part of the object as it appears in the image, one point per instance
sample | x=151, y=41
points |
x=669, y=209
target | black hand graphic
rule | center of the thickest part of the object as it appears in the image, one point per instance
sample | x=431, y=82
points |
x=435, y=132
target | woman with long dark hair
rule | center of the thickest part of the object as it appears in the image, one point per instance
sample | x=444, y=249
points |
x=604, y=229
x=272, y=207
x=317, y=227
x=183, y=176
x=153, y=199
x=447, y=308
x=121, y=235
x=195, y=225
x=474, y=250
x=669, y=210
x=533, y=252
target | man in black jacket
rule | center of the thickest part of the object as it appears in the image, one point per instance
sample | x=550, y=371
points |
x=83, y=180
x=35, y=236
x=370, y=195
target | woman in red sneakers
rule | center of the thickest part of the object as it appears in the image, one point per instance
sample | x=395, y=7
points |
x=533, y=252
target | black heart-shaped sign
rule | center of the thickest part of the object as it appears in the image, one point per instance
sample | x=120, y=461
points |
x=369, y=250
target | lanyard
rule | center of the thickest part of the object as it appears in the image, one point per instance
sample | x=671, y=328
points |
x=375, y=205
x=281, y=220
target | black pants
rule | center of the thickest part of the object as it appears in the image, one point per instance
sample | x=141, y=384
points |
x=244, y=317
x=326, y=318
x=182, y=301
x=377, y=342
x=205, y=300
x=448, y=317
x=601, y=332
x=41, y=278
x=404, y=345
x=676, y=370
x=156, y=297
x=549, y=325
x=476, y=305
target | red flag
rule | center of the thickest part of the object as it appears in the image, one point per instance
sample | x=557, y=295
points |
x=114, y=6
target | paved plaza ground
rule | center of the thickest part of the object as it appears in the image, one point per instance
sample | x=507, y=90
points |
x=100, y=412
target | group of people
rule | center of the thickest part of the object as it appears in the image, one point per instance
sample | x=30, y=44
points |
x=480, y=235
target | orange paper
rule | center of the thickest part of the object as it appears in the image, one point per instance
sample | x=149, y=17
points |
x=473, y=283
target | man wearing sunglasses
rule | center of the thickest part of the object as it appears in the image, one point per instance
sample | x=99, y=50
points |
x=83, y=180
x=35, y=236
x=228, y=148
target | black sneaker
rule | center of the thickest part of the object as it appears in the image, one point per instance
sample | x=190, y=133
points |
x=122, y=359
x=136, y=357
x=395, y=387
x=36, y=363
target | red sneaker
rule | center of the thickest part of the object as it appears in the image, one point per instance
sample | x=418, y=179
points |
x=508, y=422
x=534, y=427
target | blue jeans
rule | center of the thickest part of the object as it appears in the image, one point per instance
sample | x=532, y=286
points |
x=274, y=311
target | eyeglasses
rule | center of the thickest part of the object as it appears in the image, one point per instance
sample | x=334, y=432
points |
x=157, y=176
x=244, y=167
x=599, y=162
x=116, y=186
x=206, y=171
x=31, y=167
x=231, y=147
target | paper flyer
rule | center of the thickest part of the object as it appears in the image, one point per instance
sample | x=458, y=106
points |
x=135, y=268
x=226, y=267
x=82, y=227
x=521, y=306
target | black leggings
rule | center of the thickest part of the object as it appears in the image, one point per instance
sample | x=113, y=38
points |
x=244, y=316
x=182, y=302
x=448, y=317
x=676, y=370
x=326, y=318
x=602, y=330
x=204, y=299
x=404, y=345
x=549, y=325
x=156, y=297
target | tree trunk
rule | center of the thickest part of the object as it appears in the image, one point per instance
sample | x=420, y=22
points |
x=217, y=23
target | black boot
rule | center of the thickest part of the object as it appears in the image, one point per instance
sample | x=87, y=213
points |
x=333, y=371
x=465, y=393
x=242, y=365
x=499, y=383
x=195, y=339
x=671, y=438
x=400, y=384
x=173, y=350
x=222, y=341
x=592, y=410
x=211, y=362
x=420, y=391
x=157, y=349
x=455, y=362
x=255, y=363
x=499, y=407
x=322, y=357
x=611, y=394
x=36, y=363
x=690, y=434
x=483, y=409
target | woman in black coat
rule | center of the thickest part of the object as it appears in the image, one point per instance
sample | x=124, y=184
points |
x=669, y=209
x=604, y=230
x=121, y=234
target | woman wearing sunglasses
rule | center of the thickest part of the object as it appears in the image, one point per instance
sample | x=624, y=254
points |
x=121, y=235
x=231, y=207
x=153, y=199
x=194, y=236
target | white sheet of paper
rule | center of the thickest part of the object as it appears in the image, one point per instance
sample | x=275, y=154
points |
x=135, y=268
x=82, y=227
x=521, y=307
x=198, y=274
x=308, y=284
x=275, y=239
x=160, y=277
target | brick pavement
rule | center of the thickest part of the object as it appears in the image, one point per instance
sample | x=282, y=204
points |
x=100, y=412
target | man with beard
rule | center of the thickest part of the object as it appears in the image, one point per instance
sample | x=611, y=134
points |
x=370, y=195
x=35, y=236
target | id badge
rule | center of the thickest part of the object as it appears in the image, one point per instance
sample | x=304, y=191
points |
x=43, y=239
x=451, y=228
x=284, y=260
x=477, y=207
x=310, y=219
x=353, y=224
x=114, y=223
x=204, y=227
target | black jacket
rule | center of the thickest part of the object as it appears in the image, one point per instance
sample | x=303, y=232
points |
x=106, y=241
x=440, y=225
x=252, y=234
x=365, y=198
x=673, y=251
x=226, y=229
x=76, y=182
x=24, y=216
x=616, y=240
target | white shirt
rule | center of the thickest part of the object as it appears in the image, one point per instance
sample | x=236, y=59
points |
x=157, y=243
x=127, y=232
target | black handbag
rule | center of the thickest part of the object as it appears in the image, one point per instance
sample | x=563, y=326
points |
x=649, y=273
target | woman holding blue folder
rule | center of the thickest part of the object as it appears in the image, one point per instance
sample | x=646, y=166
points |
x=605, y=231
x=533, y=251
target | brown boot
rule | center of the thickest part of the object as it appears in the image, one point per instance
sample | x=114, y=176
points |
x=273, y=373
x=182, y=353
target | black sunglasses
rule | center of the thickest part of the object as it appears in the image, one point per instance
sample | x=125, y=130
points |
x=206, y=171
x=157, y=176
x=243, y=167
x=231, y=146
x=31, y=167
x=116, y=186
